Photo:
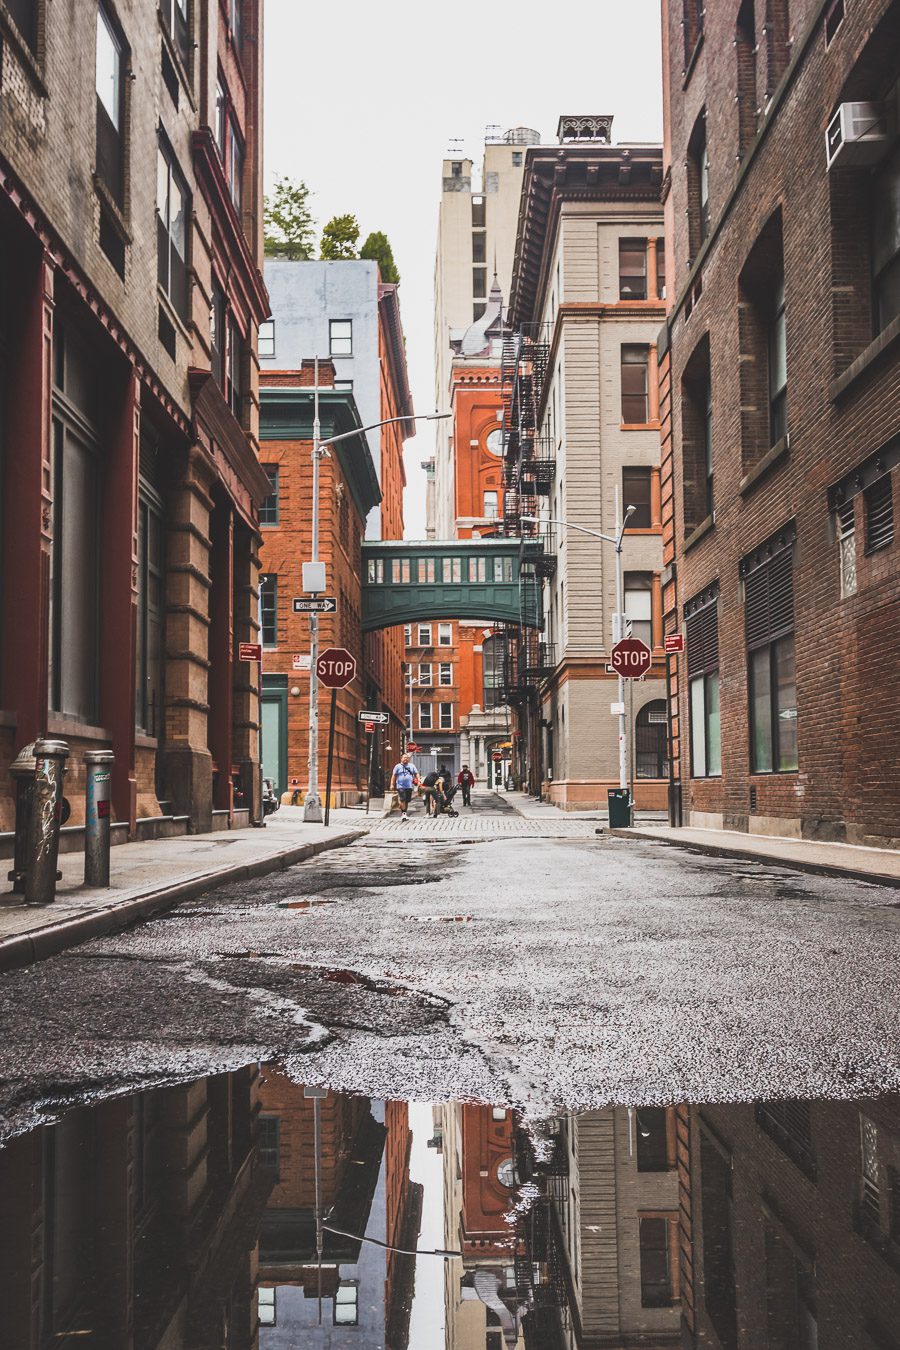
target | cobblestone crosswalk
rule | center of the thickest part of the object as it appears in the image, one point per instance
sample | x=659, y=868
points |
x=483, y=826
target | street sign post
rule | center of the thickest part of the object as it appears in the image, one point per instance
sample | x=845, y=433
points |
x=336, y=667
x=371, y=715
x=321, y=604
x=674, y=642
x=631, y=658
x=411, y=748
x=250, y=651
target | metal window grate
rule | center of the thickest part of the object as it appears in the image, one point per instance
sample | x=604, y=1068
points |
x=702, y=637
x=879, y=514
x=789, y=1124
x=769, y=600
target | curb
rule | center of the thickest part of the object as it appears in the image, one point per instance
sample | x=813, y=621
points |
x=27, y=948
x=748, y=855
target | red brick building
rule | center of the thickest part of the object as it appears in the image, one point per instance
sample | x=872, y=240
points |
x=780, y=410
x=130, y=298
x=348, y=491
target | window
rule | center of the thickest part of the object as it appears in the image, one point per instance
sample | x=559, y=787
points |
x=375, y=577
x=632, y=269
x=517, y=159
x=217, y=334
x=268, y=609
x=266, y=1306
x=24, y=15
x=696, y=438
x=445, y=634
x=692, y=23
x=698, y=186
x=478, y=213
x=745, y=55
x=425, y=672
x=446, y=716
x=717, y=1210
x=652, y=1132
x=456, y=169
x=789, y=1123
x=636, y=493
x=425, y=716
x=479, y=246
x=340, y=337
x=491, y=505
x=235, y=381
x=769, y=616
x=268, y=1146
x=886, y=242
x=702, y=642
x=879, y=511
x=635, y=384
x=445, y=673
x=235, y=22
x=790, y=1290
x=235, y=166
x=651, y=727
x=110, y=109
x=172, y=209
x=656, y=1261
x=870, y=1186
x=478, y=569
x=845, y=521
x=639, y=605
x=777, y=29
x=230, y=143
x=407, y=628
x=424, y=635
x=400, y=571
x=221, y=118
x=267, y=338
x=661, y=269
x=453, y=569
x=777, y=367
x=492, y=654
x=834, y=17
x=479, y=283
x=268, y=512
x=428, y=571
x=148, y=703
x=175, y=17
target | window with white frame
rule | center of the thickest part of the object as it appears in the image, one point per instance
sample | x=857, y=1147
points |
x=639, y=605
x=446, y=716
x=407, y=629
x=424, y=634
x=446, y=673
x=266, y=1307
x=425, y=722
x=267, y=338
x=375, y=577
x=701, y=621
x=400, y=573
x=425, y=672
x=445, y=634
x=340, y=337
x=491, y=504
x=346, y=1304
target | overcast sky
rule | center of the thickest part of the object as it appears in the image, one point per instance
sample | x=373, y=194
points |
x=363, y=99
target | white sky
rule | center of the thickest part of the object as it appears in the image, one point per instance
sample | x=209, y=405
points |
x=362, y=100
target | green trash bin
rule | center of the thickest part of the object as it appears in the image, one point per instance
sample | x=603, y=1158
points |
x=619, y=800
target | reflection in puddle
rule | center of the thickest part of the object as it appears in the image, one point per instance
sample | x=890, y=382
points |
x=247, y=1211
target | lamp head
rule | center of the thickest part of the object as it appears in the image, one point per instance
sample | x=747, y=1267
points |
x=629, y=511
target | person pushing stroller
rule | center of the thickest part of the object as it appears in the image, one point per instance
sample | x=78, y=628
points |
x=438, y=792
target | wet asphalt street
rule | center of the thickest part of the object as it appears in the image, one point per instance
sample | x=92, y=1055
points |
x=505, y=959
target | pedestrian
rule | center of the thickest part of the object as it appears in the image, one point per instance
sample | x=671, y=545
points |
x=430, y=792
x=466, y=780
x=404, y=778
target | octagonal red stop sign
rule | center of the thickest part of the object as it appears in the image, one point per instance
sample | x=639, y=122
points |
x=336, y=667
x=631, y=658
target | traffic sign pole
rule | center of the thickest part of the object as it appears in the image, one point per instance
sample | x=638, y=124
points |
x=330, y=759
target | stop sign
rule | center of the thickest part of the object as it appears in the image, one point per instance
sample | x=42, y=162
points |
x=336, y=667
x=631, y=658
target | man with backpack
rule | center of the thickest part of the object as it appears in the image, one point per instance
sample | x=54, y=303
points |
x=404, y=778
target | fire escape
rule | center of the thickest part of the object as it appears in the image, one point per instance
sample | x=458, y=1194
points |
x=541, y=1262
x=528, y=472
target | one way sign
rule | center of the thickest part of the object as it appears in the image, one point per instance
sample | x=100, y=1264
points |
x=367, y=715
x=323, y=604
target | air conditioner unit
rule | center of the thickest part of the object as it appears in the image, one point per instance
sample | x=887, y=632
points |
x=857, y=134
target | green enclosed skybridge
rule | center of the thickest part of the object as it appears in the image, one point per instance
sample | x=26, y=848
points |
x=483, y=580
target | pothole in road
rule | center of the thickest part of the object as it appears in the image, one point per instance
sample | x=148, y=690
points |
x=374, y=881
x=303, y=904
x=440, y=918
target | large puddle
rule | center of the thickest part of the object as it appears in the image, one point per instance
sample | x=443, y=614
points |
x=245, y=1210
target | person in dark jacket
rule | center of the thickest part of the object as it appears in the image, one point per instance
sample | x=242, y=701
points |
x=466, y=780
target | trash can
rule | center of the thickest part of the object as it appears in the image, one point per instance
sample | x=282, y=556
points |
x=619, y=800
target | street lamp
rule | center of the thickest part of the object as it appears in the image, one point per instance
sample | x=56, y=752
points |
x=618, y=618
x=312, y=803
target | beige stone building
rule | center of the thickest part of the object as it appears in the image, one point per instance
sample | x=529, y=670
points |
x=587, y=296
x=476, y=238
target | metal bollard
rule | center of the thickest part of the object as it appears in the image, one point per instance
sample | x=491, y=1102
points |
x=22, y=772
x=46, y=816
x=97, y=817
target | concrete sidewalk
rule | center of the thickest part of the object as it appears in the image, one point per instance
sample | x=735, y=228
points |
x=881, y=865
x=532, y=809
x=155, y=874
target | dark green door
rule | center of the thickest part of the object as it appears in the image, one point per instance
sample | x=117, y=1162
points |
x=274, y=730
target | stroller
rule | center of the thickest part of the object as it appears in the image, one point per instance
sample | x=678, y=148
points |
x=444, y=804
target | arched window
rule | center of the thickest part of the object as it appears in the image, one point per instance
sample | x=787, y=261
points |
x=650, y=736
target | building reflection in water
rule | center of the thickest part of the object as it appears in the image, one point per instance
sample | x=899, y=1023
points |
x=246, y=1212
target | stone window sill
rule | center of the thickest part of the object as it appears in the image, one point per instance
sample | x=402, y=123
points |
x=173, y=314
x=699, y=531
x=857, y=368
x=639, y=530
x=113, y=208
x=639, y=426
x=144, y=742
x=779, y=451
x=59, y=725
